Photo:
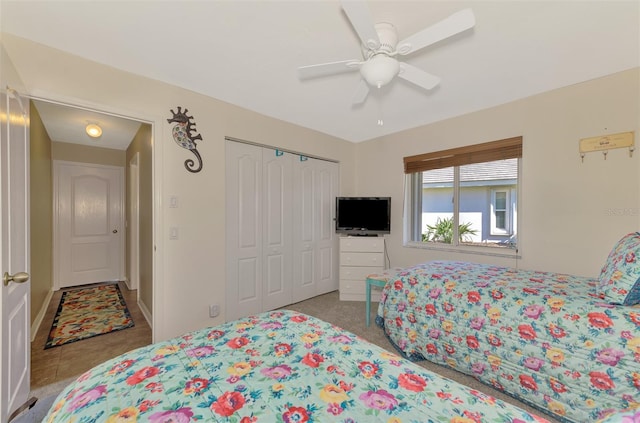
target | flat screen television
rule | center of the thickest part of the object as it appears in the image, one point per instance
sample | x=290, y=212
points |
x=367, y=216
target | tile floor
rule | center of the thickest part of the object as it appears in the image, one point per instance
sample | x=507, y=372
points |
x=71, y=360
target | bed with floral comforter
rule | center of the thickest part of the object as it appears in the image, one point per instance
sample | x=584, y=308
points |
x=565, y=344
x=279, y=366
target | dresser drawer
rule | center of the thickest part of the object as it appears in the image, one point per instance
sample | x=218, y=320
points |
x=358, y=272
x=362, y=244
x=362, y=259
x=352, y=287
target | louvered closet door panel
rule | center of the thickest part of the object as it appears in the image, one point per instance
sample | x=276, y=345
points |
x=304, y=281
x=244, y=230
x=277, y=228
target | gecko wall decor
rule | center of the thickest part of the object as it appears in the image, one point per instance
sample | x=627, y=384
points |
x=183, y=135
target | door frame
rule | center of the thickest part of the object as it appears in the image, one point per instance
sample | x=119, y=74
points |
x=133, y=226
x=158, y=326
x=58, y=237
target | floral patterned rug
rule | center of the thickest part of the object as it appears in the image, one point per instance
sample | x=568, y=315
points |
x=87, y=312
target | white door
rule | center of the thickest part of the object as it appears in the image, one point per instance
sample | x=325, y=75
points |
x=326, y=188
x=243, y=230
x=14, y=254
x=277, y=228
x=281, y=243
x=304, y=278
x=88, y=235
x=315, y=268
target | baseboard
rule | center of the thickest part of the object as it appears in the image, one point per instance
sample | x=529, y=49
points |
x=40, y=317
x=128, y=283
x=145, y=313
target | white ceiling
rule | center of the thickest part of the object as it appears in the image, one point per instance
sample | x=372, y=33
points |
x=247, y=52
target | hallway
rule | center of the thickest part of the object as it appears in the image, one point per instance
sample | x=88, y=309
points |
x=71, y=360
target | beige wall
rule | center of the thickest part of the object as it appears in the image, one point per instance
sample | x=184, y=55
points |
x=570, y=213
x=87, y=154
x=191, y=270
x=41, y=219
x=141, y=144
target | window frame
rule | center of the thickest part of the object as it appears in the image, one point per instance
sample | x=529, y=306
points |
x=508, y=228
x=412, y=216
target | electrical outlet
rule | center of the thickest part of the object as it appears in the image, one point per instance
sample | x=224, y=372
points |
x=214, y=310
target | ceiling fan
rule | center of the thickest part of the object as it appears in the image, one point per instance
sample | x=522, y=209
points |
x=380, y=48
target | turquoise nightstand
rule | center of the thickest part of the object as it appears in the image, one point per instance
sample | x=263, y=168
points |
x=371, y=280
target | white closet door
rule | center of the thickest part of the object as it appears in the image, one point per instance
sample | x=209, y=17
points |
x=326, y=251
x=304, y=279
x=315, y=254
x=281, y=242
x=277, y=228
x=244, y=230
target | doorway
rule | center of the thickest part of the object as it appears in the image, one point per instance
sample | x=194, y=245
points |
x=136, y=155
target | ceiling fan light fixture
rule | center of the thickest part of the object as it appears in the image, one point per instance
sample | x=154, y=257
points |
x=388, y=37
x=379, y=70
x=93, y=130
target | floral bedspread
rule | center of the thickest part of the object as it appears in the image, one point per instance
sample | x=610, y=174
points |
x=544, y=338
x=278, y=366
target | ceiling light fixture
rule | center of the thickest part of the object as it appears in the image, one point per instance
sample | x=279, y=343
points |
x=93, y=130
x=379, y=70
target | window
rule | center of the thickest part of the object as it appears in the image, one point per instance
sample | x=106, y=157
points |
x=500, y=222
x=464, y=196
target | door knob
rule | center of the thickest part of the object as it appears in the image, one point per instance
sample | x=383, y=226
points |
x=19, y=277
x=115, y=231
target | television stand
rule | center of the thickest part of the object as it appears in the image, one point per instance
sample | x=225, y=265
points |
x=360, y=256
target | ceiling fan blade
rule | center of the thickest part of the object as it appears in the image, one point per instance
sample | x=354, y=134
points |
x=325, y=69
x=360, y=17
x=418, y=76
x=454, y=24
x=361, y=92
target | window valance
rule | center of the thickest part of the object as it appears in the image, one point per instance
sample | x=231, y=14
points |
x=508, y=148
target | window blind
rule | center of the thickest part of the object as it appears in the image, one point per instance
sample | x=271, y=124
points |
x=508, y=148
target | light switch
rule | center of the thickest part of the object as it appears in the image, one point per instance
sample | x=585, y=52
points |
x=173, y=202
x=173, y=232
